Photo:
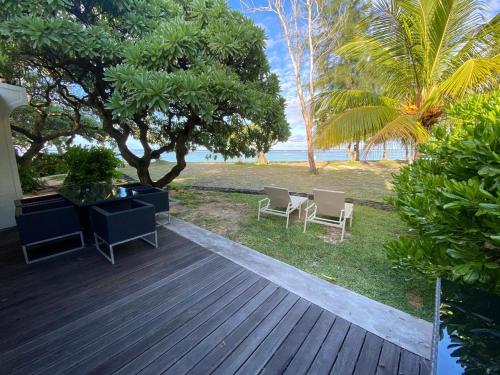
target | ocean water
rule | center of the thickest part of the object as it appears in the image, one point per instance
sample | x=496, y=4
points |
x=288, y=156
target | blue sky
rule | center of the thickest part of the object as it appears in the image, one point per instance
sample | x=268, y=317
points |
x=277, y=55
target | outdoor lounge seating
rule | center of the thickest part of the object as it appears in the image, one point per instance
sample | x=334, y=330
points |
x=38, y=199
x=279, y=202
x=329, y=204
x=155, y=196
x=118, y=222
x=47, y=221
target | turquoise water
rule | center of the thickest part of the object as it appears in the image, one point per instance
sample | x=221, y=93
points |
x=289, y=155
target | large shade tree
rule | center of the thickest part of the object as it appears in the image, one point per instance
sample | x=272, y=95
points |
x=172, y=74
x=54, y=117
x=425, y=52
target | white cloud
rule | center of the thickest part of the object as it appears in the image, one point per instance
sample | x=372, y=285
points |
x=271, y=42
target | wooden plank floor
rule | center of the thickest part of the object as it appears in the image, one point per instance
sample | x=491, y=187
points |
x=177, y=309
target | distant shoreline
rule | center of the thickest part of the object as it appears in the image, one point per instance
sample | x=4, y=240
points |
x=284, y=156
x=323, y=163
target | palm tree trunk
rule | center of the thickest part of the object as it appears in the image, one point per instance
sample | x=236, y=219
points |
x=384, y=153
x=356, y=150
x=350, y=152
x=407, y=152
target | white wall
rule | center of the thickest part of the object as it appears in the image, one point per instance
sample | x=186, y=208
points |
x=10, y=187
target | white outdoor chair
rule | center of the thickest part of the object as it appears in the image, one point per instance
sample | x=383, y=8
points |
x=280, y=199
x=331, y=204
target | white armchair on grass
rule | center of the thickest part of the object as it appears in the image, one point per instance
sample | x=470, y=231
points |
x=279, y=202
x=330, y=204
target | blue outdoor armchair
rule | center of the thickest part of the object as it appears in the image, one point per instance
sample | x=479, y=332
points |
x=121, y=221
x=47, y=221
x=155, y=196
x=49, y=198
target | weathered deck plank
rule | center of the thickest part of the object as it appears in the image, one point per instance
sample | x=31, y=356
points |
x=176, y=309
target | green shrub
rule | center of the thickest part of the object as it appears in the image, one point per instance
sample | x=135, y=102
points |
x=30, y=180
x=450, y=198
x=50, y=164
x=95, y=164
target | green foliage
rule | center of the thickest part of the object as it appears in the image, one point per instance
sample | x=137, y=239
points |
x=175, y=74
x=450, y=198
x=49, y=164
x=95, y=164
x=30, y=180
x=348, y=18
x=420, y=54
x=52, y=119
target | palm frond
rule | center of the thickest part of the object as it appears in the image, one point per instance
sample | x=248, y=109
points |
x=358, y=123
x=336, y=101
x=449, y=22
x=483, y=41
x=405, y=128
x=474, y=74
x=398, y=30
x=383, y=63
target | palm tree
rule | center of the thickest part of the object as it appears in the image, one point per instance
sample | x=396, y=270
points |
x=425, y=53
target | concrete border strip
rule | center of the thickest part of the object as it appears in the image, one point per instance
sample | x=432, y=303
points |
x=398, y=327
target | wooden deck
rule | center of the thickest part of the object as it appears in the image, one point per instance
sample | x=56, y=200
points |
x=177, y=309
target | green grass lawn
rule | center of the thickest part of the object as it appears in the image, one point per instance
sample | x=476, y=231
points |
x=359, y=263
x=364, y=180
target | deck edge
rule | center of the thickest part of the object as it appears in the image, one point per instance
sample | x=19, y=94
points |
x=400, y=328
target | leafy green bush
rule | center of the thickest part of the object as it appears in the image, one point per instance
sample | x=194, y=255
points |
x=451, y=198
x=95, y=164
x=50, y=164
x=30, y=180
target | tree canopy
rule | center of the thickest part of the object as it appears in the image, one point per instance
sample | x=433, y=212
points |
x=53, y=118
x=423, y=53
x=173, y=74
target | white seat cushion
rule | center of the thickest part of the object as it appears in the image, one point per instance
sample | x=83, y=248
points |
x=297, y=201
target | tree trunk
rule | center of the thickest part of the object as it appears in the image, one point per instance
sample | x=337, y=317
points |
x=181, y=150
x=415, y=152
x=407, y=152
x=350, y=152
x=175, y=171
x=356, y=150
x=143, y=171
x=384, y=153
x=312, y=62
x=261, y=158
x=25, y=161
x=295, y=54
x=310, y=149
